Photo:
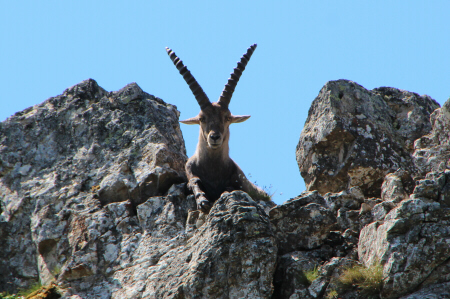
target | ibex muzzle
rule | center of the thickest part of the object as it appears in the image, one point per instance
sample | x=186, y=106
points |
x=210, y=170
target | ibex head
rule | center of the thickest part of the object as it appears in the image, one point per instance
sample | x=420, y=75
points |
x=214, y=118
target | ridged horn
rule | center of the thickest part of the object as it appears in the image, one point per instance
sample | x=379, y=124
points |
x=196, y=89
x=227, y=92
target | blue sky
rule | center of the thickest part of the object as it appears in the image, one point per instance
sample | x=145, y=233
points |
x=47, y=46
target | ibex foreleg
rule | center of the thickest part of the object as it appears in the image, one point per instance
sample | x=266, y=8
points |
x=203, y=203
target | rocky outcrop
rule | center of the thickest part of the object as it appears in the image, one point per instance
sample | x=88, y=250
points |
x=94, y=203
x=167, y=252
x=64, y=162
x=432, y=151
x=304, y=215
x=354, y=137
x=382, y=156
x=94, y=200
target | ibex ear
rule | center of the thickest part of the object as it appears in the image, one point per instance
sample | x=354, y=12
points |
x=239, y=118
x=191, y=121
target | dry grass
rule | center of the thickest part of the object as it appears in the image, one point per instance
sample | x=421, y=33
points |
x=368, y=279
x=31, y=289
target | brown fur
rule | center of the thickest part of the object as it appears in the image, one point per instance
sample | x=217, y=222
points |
x=210, y=170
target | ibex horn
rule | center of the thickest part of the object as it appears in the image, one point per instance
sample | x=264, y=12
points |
x=196, y=89
x=227, y=92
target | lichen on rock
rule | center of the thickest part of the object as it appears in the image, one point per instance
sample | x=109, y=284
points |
x=354, y=137
x=63, y=160
x=94, y=202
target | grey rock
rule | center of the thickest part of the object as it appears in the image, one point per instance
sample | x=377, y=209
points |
x=232, y=255
x=351, y=208
x=290, y=275
x=300, y=294
x=435, y=186
x=354, y=137
x=301, y=217
x=93, y=197
x=432, y=151
x=63, y=160
x=436, y=291
x=411, y=237
x=328, y=274
x=410, y=243
x=393, y=187
x=349, y=199
x=380, y=210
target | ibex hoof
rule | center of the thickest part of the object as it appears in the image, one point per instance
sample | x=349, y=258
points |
x=204, y=205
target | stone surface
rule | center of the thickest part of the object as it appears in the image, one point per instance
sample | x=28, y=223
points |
x=64, y=160
x=328, y=273
x=432, y=151
x=354, y=137
x=436, y=291
x=93, y=198
x=410, y=236
x=411, y=243
x=306, y=215
x=290, y=275
x=232, y=255
x=396, y=186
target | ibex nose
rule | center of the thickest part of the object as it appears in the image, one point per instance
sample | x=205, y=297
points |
x=215, y=137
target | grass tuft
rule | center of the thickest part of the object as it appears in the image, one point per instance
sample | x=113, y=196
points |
x=368, y=279
x=311, y=275
x=332, y=295
x=30, y=290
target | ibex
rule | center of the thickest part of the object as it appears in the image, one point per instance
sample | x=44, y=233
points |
x=210, y=170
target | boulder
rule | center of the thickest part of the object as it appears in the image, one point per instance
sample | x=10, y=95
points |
x=411, y=243
x=94, y=204
x=158, y=254
x=435, y=291
x=306, y=215
x=232, y=255
x=393, y=188
x=64, y=160
x=354, y=137
x=432, y=151
x=410, y=236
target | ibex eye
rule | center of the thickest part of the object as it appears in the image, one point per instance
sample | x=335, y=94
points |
x=228, y=118
x=201, y=119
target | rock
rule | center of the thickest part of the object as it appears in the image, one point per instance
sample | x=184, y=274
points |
x=411, y=243
x=411, y=235
x=64, y=160
x=303, y=216
x=93, y=202
x=435, y=186
x=393, y=187
x=432, y=151
x=328, y=273
x=436, y=291
x=232, y=255
x=47, y=292
x=349, y=199
x=380, y=210
x=122, y=249
x=290, y=275
x=352, y=210
x=354, y=137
